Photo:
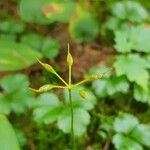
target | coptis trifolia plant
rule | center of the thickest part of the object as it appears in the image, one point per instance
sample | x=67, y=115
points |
x=68, y=85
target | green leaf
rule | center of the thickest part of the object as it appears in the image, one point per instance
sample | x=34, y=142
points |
x=130, y=10
x=134, y=67
x=79, y=101
x=50, y=48
x=11, y=27
x=123, y=142
x=148, y=61
x=15, y=56
x=110, y=86
x=22, y=139
x=125, y=123
x=15, y=98
x=133, y=38
x=46, y=11
x=7, y=36
x=47, y=108
x=8, y=140
x=142, y=134
x=32, y=39
x=112, y=23
x=83, y=28
x=140, y=37
x=81, y=120
x=141, y=95
x=100, y=87
x=123, y=44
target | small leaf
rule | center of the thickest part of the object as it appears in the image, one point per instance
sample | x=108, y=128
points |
x=16, y=98
x=125, y=123
x=50, y=48
x=33, y=40
x=47, y=108
x=142, y=134
x=81, y=120
x=123, y=142
x=11, y=27
x=130, y=10
x=123, y=44
x=80, y=27
x=134, y=67
x=110, y=86
x=141, y=95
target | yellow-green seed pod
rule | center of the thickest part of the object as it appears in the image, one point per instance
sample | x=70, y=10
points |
x=83, y=94
x=47, y=67
x=96, y=76
x=69, y=57
x=44, y=88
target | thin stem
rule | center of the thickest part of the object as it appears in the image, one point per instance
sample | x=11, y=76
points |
x=61, y=79
x=72, y=119
x=70, y=74
x=81, y=82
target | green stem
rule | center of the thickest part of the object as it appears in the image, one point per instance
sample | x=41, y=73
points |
x=72, y=118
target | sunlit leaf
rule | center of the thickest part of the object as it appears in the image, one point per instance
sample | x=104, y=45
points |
x=8, y=140
x=16, y=56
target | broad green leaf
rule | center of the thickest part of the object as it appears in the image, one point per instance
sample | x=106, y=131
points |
x=123, y=142
x=110, y=86
x=125, y=123
x=142, y=134
x=47, y=108
x=8, y=140
x=79, y=101
x=130, y=10
x=16, y=96
x=81, y=120
x=83, y=27
x=15, y=56
x=142, y=95
x=134, y=67
x=46, y=11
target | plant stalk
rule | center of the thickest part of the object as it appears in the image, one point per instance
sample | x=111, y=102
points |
x=72, y=119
